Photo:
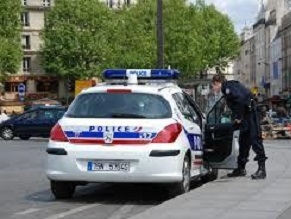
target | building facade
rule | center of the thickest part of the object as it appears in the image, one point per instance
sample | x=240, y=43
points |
x=31, y=73
x=286, y=52
x=267, y=64
x=118, y=3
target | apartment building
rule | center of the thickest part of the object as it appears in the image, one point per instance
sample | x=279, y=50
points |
x=30, y=71
x=118, y=3
x=269, y=49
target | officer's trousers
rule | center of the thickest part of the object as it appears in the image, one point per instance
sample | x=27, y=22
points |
x=250, y=136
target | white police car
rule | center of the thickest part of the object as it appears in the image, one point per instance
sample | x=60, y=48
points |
x=138, y=127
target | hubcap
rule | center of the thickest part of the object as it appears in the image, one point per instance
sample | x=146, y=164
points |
x=186, y=175
x=7, y=133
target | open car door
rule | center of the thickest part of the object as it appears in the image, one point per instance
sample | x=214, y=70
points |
x=221, y=140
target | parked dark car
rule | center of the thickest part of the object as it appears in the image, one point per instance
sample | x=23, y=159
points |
x=33, y=123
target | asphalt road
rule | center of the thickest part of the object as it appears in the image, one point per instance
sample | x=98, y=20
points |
x=25, y=193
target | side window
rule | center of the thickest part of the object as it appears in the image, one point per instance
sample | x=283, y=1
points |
x=30, y=115
x=46, y=114
x=219, y=114
x=185, y=107
x=59, y=114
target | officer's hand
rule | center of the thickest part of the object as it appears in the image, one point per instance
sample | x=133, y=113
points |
x=237, y=121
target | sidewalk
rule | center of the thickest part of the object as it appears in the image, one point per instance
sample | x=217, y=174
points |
x=237, y=198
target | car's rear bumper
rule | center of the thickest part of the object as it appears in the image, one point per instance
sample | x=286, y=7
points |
x=148, y=163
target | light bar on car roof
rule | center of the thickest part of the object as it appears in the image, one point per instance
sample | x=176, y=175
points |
x=168, y=74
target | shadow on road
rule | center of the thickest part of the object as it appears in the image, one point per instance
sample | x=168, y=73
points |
x=105, y=193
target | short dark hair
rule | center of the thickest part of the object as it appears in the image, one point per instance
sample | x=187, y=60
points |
x=218, y=78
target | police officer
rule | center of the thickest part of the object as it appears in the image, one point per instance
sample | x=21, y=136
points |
x=239, y=99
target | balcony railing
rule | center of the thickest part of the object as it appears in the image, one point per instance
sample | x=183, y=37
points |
x=26, y=47
x=27, y=70
x=25, y=24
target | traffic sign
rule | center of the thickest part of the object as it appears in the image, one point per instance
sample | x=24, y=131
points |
x=21, y=91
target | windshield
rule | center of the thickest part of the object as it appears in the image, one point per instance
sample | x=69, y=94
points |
x=119, y=105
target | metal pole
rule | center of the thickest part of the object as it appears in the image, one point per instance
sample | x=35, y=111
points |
x=160, y=35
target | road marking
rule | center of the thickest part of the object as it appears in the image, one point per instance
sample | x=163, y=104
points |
x=121, y=212
x=73, y=211
x=28, y=211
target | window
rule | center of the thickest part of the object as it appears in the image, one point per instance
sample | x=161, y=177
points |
x=220, y=113
x=25, y=41
x=110, y=4
x=25, y=19
x=24, y=2
x=127, y=2
x=26, y=64
x=46, y=3
x=30, y=115
x=119, y=4
x=120, y=105
x=185, y=108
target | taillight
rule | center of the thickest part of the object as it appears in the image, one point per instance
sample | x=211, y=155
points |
x=57, y=134
x=120, y=91
x=169, y=134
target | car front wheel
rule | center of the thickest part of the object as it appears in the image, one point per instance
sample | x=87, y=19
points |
x=7, y=133
x=63, y=189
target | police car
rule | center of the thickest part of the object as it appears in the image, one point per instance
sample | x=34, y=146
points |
x=138, y=127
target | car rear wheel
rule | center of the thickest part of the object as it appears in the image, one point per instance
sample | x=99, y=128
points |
x=7, y=133
x=63, y=189
x=184, y=186
x=24, y=137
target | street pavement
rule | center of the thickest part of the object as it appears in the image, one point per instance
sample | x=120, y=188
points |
x=230, y=198
x=25, y=194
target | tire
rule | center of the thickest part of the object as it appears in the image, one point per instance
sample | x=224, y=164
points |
x=62, y=189
x=210, y=176
x=184, y=186
x=24, y=137
x=7, y=133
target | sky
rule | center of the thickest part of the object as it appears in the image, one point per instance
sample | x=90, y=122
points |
x=241, y=12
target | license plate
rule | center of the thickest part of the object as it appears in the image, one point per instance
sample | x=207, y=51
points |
x=109, y=166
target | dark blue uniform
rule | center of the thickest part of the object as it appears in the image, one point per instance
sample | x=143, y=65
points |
x=240, y=101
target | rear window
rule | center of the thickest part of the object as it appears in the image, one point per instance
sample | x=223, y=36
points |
x=119, y=105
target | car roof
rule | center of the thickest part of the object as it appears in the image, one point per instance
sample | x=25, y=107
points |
x=48, y=107
x=153, y=88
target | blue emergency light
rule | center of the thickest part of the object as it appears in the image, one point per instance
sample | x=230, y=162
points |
x=166, y=74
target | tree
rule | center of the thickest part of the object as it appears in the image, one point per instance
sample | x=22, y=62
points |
x=77, y=40
x=82, y=37
x=219, y=40
x=10, y=43
x=182, y=40
x=196, y=36
x=135, y=37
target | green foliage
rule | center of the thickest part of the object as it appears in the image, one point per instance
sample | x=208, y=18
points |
x=10, y=44
x=182, y=39
x=134, y=45
x=76, y=38
x=219, y=38
x=82, y=37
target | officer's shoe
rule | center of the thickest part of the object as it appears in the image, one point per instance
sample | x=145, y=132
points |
x=237, y=172
x=261, y=172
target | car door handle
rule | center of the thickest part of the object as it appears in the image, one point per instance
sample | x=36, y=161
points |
x=217, y=139
x=191, y=128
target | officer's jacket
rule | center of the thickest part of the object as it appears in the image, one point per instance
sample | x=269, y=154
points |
x=237, y=97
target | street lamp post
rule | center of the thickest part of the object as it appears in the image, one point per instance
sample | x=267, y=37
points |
x=160, y=35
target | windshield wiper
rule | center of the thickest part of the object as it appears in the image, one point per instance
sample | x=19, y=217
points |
x=125, y=115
